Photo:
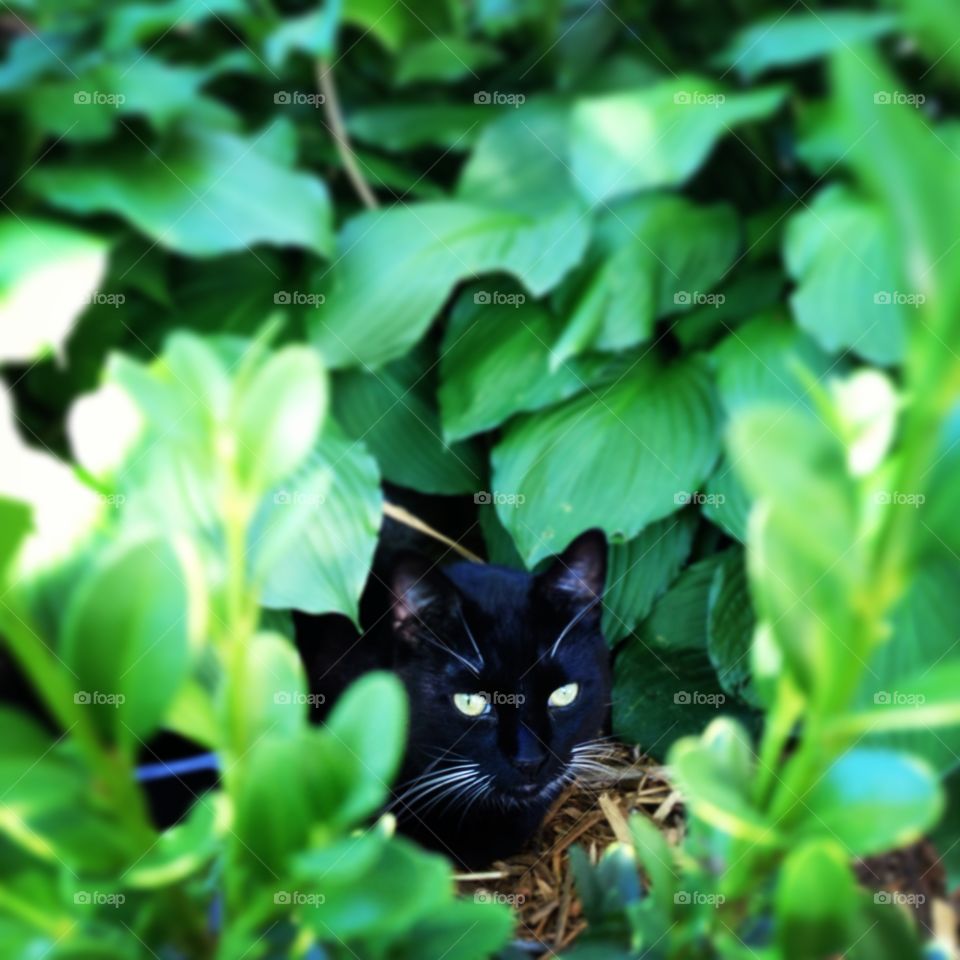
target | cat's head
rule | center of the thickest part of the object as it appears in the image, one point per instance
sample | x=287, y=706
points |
x=507, y=672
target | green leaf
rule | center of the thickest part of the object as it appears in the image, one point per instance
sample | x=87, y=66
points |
x=655, y=855
x=657, y=136
x=130, y=25
x=279, y=414
x=393, y=411
x=210, y=192
x=657, y=255
x=124, y=639
x=640, y=571
x=275, y=694
x=816, y=900
x=795, y=38
x=495, y=362
x=652, y=436
x=47, y=279
x=15, y=523
x=443, y=60
x=664, y=683
x=873, y=800
x=370, y=722
x=441, y=933
x=841, y=253
x=398, y=127
x=727, y=503
x=398, y=266
x=316, y=533
x=730, y=625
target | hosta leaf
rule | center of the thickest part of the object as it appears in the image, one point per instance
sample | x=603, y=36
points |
x=650, y=435
x=797, y=37
x=48, y=275
x=656, y=136
x=399, y=265
x=642, y=569
x=209, y=193
x=657, y=255
x=730, y=623
x=489, y=341
x=393, y=412
x=840, y=252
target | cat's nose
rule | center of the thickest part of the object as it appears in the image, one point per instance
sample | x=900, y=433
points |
x=528, y=766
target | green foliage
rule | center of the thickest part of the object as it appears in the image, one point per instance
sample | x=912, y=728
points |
x=582, y=261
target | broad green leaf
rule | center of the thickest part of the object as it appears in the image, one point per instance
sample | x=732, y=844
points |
x=132, y=24
x=274, y=699
x=664, y=683
x=655, y=855
x=884, y=931
x=316, y=533
x=398, y=266
x=443, y=60
x=279, y=413
x=370, y=722
x=655, y=256
x=795, y=38
x=495, y=362
x=642, y=569
x=873, y=800
x=652, y=436
x=441, y=933
x=124, y=639
x=816, y=900
x=209, y=193
x=403, y=126
x=657, y=136
x=49, y=274
x=730, y=625
x=726, y=503
x=394, y=413
x=15, y=523
x=848, y=296
x=312, y=33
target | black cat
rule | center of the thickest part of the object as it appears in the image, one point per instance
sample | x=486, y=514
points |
x=509, y=686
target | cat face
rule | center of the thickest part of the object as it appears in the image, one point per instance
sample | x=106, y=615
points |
x=507, y=675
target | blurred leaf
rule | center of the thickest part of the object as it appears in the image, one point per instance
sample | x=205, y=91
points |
x=125, y=640
x=873, y=800
x=840, y=252
x=402, y=126
x=816, y=899
x=795, y=38
x=657, y=136
x=443, y=60
x=47, y=279
x=319, y=530
x=134, y=23
x=15, y=523
x=727, y=503
x=730, y=624
x=651, y=435
x=393, y=411
x=209, y=193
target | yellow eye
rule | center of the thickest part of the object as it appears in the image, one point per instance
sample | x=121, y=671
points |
x=472, y=704
x=564, y=696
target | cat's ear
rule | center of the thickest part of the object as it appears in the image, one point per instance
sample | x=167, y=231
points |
x=577, y=576
x=419, y=596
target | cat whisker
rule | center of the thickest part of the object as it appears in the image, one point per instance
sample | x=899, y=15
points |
x=422, y=786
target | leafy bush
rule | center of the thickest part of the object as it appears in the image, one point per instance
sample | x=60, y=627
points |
x=688, y=275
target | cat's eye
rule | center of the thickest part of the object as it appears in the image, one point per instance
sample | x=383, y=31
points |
x=471, y=704
x=564, y=696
